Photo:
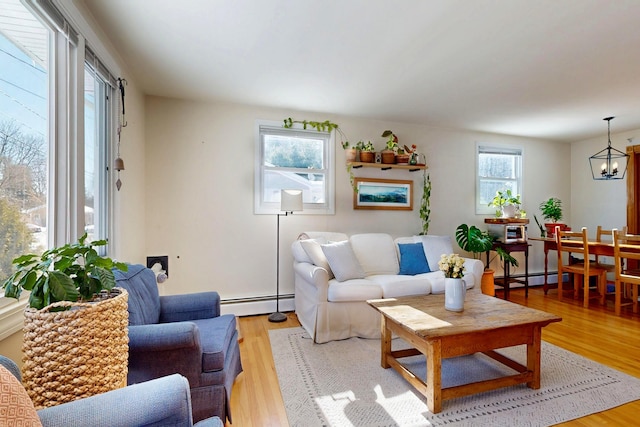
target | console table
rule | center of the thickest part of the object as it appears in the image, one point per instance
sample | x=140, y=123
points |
x=507, y=279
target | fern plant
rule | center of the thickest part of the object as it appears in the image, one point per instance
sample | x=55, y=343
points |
x=71, y=272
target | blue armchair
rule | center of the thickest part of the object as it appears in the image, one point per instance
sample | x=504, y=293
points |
x=184, y=334
x=162, y=402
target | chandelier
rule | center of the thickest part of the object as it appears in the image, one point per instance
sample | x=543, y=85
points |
x=608, y=163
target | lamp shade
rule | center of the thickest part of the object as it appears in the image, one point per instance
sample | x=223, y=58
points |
x=290, y=200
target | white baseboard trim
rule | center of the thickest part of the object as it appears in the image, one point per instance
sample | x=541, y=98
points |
x=251, y=308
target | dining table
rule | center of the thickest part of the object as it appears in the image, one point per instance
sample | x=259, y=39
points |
x=595, y=248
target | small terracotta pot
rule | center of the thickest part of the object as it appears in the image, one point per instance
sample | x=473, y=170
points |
x=388, y=157
x=367, y=156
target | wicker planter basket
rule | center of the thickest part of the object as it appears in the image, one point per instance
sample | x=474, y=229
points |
x=76, y=353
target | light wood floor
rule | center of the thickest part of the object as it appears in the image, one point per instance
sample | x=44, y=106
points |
x=596, y=333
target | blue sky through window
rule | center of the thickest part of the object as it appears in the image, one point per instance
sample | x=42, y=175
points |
x=23, y=90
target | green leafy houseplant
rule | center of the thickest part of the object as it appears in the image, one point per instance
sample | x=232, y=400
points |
x=504, y=198
x=365, y=146
x=73, y=272
x=552, y=209
x=472, y=239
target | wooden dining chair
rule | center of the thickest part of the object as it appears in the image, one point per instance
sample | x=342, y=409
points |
x=626, y=252
x=577, y=243
x=606, y=236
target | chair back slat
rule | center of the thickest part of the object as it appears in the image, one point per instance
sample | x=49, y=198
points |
x=572, y=242
x=626, y=248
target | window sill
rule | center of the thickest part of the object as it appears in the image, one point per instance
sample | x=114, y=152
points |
x=11, y=316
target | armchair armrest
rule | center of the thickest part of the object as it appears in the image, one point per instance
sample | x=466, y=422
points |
x=312, y=280
x=163, y=401
x=475, y=267
x=163, y=336
x=178, y=308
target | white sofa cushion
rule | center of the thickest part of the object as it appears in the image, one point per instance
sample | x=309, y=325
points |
x=343, y=261
x=314, y=252
x=353, y=290
x=394, y=285
x=376, y=252
x=434, y=247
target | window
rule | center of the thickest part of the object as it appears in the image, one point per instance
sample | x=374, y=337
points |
x=47, y=197
x=99, y=91
x=499, y=168
x=293, y=159
x=24, y=134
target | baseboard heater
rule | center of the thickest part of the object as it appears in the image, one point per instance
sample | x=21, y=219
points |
x=256, y=305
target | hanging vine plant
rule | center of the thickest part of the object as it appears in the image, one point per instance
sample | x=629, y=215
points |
x=326, y=126
x=425, y=204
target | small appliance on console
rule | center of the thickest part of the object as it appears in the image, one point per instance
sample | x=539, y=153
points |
x=508, y=230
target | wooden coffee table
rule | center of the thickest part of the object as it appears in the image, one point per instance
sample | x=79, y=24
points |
x=486, y=324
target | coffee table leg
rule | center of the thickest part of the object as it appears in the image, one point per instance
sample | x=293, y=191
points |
x=385, y=343
x=434, y=376
x=533, y=358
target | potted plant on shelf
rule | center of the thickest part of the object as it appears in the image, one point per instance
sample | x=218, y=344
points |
x=367, y=151
x=552, y=211
x=74, y=315
x=349, y=152
x=506, y=203
x=389, y=153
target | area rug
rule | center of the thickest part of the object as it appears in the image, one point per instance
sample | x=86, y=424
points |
x=341, y=383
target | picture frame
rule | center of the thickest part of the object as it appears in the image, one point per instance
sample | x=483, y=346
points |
x=386, y=194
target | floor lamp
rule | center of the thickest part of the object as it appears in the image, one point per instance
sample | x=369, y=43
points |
x=290, y=202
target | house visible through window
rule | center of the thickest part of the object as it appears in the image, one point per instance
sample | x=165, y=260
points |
x=499, y=168
x=293, y=159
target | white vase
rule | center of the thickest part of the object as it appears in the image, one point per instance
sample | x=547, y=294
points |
x=454, y=293
x=509, y=211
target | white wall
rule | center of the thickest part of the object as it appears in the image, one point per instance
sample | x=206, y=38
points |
x=199, y=197
x=128, y=241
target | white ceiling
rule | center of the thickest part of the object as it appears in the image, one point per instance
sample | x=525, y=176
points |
x=539, y=68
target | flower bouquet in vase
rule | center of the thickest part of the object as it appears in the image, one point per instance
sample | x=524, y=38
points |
x=452, y=265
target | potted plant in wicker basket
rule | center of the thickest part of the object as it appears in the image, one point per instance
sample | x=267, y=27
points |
x=75, y=333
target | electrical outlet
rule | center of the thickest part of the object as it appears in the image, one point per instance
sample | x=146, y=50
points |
x=163, y=260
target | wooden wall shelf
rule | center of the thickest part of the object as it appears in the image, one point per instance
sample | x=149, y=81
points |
x=385, y=166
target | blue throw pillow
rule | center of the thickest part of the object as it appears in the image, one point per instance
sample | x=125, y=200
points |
x=412, y=259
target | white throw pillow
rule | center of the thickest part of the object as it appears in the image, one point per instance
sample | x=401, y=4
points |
x=434, y=247
x=314, y=251
x=343, y=261
x=376, y=252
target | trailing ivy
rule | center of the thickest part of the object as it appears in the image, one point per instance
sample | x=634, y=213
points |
x=425, y=205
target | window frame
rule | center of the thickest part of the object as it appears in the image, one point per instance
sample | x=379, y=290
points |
x=65, y=194
x=270, y=208
x=508, y=149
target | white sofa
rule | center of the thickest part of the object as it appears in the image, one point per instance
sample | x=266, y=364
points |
x=365, y=266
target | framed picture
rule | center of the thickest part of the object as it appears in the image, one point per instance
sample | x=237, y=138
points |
x=383, y=194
